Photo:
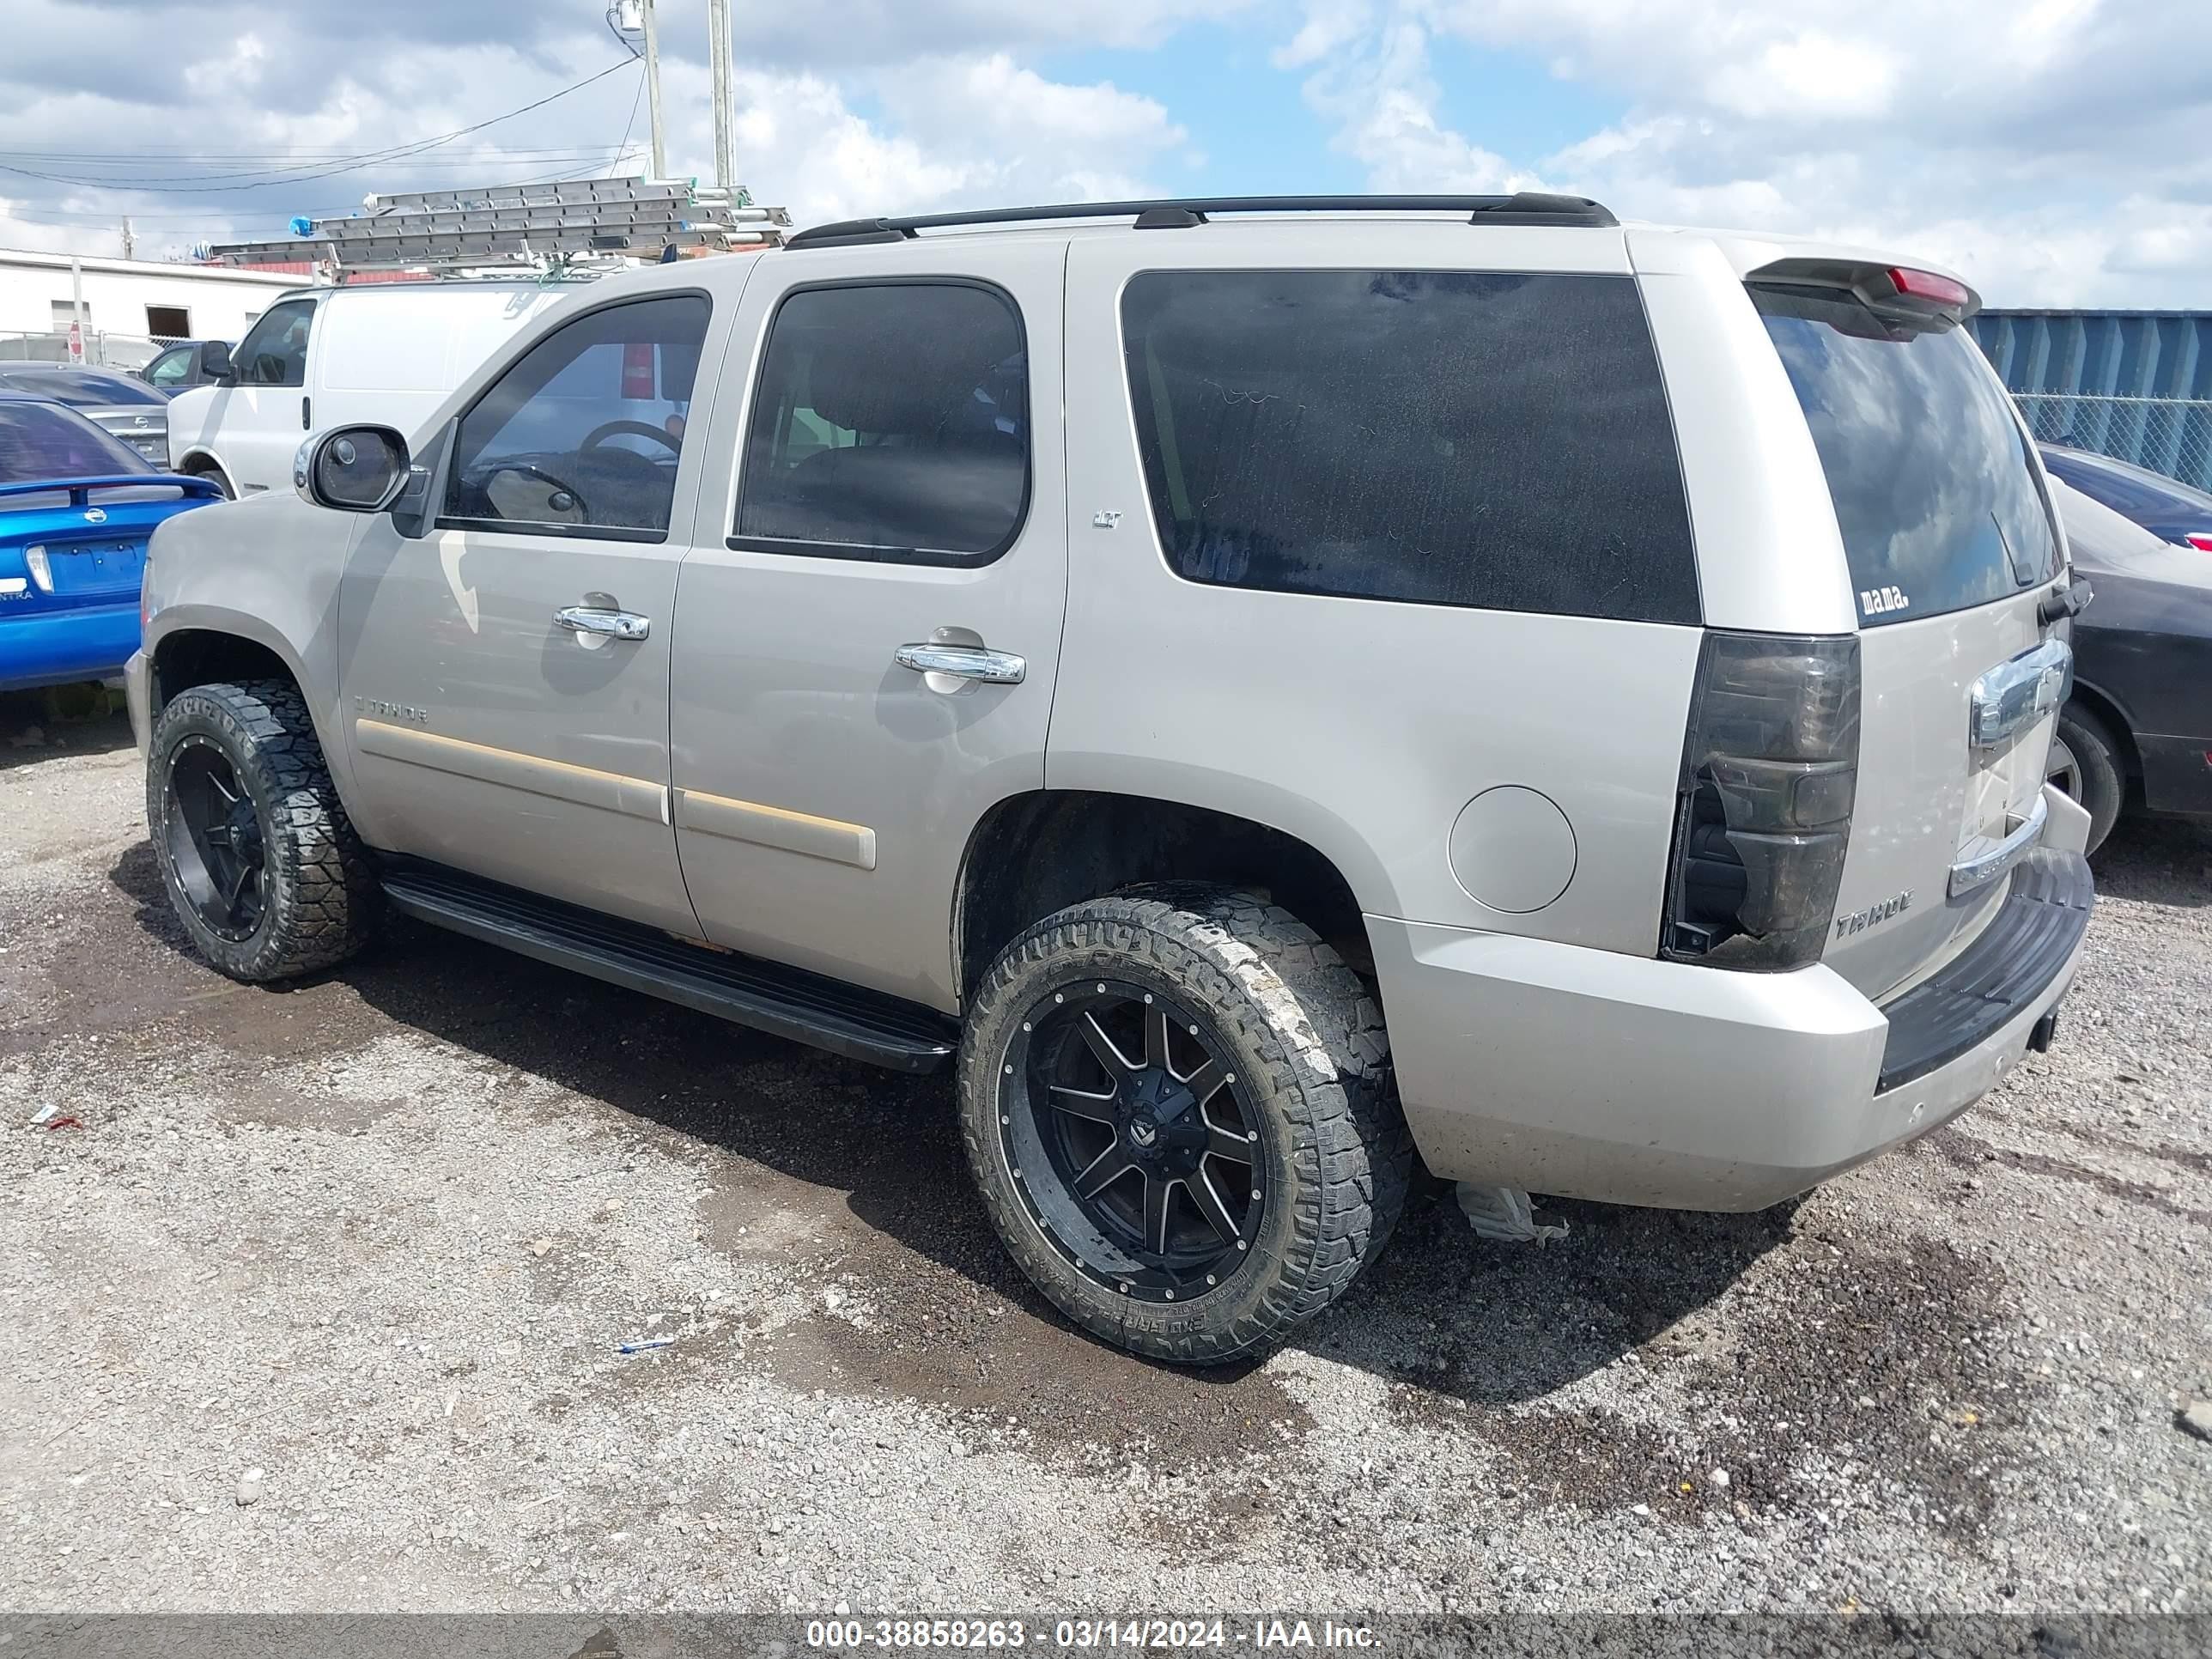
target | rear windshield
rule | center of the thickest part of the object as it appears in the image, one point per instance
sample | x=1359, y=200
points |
x=76, y=386
x=1938, y=501
x=40, y=441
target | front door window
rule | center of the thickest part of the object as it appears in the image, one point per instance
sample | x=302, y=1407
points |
x=275, y=351
x=582, y=436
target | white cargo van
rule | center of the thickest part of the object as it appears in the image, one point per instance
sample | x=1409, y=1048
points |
x=388, y=353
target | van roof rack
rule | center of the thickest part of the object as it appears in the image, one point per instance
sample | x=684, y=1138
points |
x=1527, y=207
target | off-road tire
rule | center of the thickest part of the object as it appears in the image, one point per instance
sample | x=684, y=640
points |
x=2103, y=785
x=320, y=902
x=1308, y=1037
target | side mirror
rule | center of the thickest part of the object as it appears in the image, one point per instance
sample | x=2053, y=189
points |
x=352, y=469
x=213, y=362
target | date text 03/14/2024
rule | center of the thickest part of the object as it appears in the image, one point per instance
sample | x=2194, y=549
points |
x=1162, y=1634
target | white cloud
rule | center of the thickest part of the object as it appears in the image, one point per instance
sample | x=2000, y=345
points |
x=1812, y=74
x=2052, y=151
x=876, y=106
x=1330, y=26
x=1382, y=100
x=955, y=132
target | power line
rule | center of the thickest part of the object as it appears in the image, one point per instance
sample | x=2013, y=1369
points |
x=591, y=160
x=330, y=152
x=457, y=160
x=622, y=148
x=302, y=174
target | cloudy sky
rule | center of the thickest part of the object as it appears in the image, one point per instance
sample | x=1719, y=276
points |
x=2056, y=151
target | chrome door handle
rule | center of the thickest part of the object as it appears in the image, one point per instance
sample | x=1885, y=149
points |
x=614, y=624
x=967, y=662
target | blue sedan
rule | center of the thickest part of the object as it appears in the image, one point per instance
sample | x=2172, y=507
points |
x=77, y=509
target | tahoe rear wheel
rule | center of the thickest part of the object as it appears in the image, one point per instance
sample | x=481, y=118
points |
x=257, y=855
x=1177, y=1105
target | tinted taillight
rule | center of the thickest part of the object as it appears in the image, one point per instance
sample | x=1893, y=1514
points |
x=1769, y=774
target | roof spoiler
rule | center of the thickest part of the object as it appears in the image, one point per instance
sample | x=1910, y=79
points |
x=80, y=489
x=1904, y=294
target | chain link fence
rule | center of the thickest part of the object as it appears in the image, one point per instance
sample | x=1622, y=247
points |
x=101, y=348
x=2172, y=435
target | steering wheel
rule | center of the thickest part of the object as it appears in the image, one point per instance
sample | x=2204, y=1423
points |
x=530, y=471
x=599, y=434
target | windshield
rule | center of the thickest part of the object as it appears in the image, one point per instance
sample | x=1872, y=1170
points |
x=80, y=389
x=2134, y=490
x=39, y=442
x=1937, y=499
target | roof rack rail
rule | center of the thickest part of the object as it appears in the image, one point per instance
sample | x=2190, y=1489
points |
x=1527, y=207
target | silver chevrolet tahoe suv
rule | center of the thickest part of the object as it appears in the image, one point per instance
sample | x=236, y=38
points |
x=1262, y=688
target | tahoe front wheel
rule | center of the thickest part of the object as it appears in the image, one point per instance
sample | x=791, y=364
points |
x=1176, y=1103
x=257, y=855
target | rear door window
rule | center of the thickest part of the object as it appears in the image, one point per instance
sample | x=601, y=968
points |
x=1496, y=441
x=891, y=423
x=1937, y=499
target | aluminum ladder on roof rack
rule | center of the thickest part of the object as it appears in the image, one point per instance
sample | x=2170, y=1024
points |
x=525, y=226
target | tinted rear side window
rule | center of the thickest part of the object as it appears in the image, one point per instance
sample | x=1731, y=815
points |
x=1934, y=490
x=1436, y=437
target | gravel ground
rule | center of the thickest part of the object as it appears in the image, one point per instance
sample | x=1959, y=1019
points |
x=378, y=1237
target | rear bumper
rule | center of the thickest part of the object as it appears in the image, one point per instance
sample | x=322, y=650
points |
x=1631, y=1080
x=54, y=647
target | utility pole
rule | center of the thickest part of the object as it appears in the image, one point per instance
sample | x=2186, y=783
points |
x=652, y=89
x=718, y=49
x=129, y=242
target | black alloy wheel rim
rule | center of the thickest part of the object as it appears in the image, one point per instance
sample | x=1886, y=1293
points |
x=214, y=841
x=1132, y=1139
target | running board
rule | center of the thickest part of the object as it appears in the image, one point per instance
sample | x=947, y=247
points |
x=785, y=1002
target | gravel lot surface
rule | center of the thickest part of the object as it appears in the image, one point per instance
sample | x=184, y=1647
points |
x=380, y=1236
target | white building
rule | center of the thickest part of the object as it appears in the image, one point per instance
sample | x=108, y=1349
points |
x=128, y=304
